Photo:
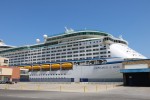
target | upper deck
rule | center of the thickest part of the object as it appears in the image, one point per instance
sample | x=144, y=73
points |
x=76, y=34
x=67, y=36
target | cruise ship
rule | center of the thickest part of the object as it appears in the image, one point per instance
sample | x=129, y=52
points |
x=73, y=56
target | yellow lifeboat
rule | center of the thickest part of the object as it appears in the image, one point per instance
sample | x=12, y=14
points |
x=28, y=67
x=67, y=66
x=36, y=67
x=21, y=67
x=45, y=66
x=55, y=66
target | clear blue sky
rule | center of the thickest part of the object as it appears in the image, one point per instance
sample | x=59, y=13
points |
x=22, y=21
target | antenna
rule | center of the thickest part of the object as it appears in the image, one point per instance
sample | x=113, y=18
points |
x=69, y=30
x=120, y=37
x=66, y=28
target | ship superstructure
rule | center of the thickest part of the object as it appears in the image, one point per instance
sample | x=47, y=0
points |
x=73, y=56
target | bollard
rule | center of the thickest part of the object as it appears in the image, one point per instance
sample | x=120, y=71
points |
x=96, y=88
x=6, y=87
x=113, y=86
x=84, y=88
x=38, y=87
x=60, y=88
x=24, y=86
x=21, y=87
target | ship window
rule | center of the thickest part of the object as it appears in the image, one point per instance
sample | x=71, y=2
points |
x=88, y=50
x=52, y=54
x=58, y=51
x=88, y=46
x=82, y=54
x=74, y=48
x=58, y=54
x=96, y=57
x=5, y=61
x=63, y=47
x=75, y=55
x=68, y=49
x=52, y=57
x=69, y=52
x=95, y=49
x=69, y=59
x=82, y=47
x=69, y=56
x=82, y=51
x=97, y=53
x=102, y=48
x=75, y=52
x=69, y=46
x=89, y=58
x=91, y=62
x=57, y=57
x=89, y=54
x=57, y=47
x=95, y=45
x=75, y=45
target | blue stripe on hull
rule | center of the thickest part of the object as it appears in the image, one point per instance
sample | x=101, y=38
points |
x=52, y=80
x=72, y=80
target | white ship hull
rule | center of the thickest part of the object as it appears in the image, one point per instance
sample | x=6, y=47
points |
x=91, y=73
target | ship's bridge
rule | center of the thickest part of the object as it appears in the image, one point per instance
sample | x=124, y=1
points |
x=110, y=40
x=77, y=34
